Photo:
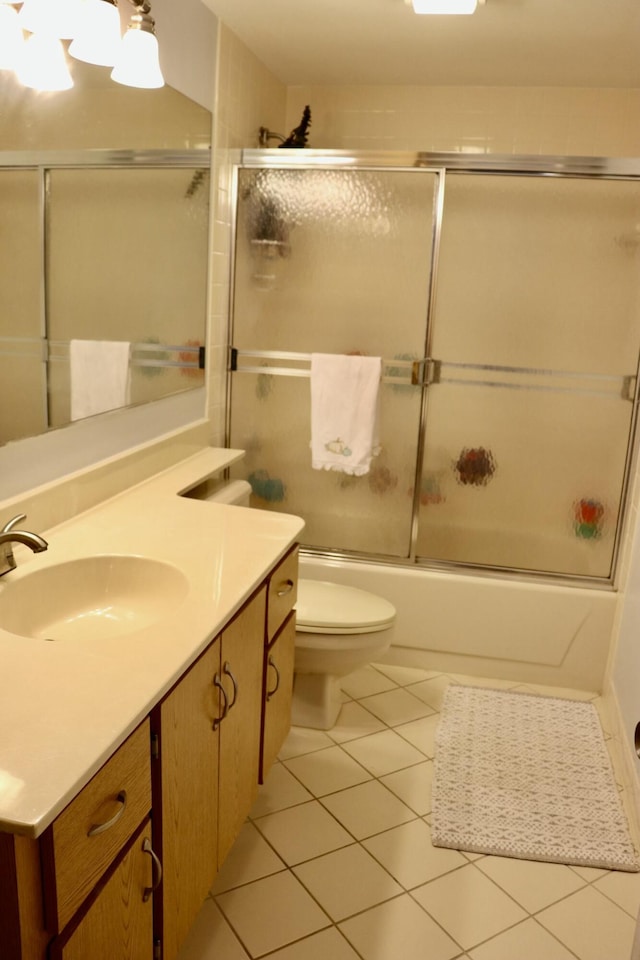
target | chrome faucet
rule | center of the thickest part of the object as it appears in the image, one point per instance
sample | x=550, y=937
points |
x=9, y=535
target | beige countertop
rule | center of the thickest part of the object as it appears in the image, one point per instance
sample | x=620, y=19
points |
x=65, y=706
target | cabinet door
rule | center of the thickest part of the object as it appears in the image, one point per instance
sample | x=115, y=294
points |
x=278, y=690
x=241, y=658
x=186, y=789
x=119, y=919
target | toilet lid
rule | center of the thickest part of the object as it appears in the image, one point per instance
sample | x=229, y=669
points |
x=326, y=607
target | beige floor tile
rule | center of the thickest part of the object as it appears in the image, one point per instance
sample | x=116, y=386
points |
x=398, y=930
x=534, y=885
x=353, y=722
x=491, y=682
x=211, y=937
x=328, y=770
x=421, y=733
x=590, y=873
x=404, y=675
x=469, y=906
x=397, y=706
x=326, y=945
x=365, y=682
x=303, y=740
x=280, y=790
x=566, y=693
x=367, y=809
x=250, y=858
x=432, y=691
x=590, y=925
x=527, y=941
x=407, y=853
x=347, y=881
x=383, y=753
x=302, y=832
x=271, y=913
x=413, y=786
x=623, y=889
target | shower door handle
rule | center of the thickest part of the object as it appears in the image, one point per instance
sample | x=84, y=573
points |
x=425, y=372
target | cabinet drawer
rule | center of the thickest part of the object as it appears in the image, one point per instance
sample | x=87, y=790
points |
x=84, y=839
x=283, y=593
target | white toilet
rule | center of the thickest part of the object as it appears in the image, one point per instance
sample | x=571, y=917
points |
x=338, y=630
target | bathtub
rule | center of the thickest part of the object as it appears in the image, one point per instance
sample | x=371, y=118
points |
x=487, y=626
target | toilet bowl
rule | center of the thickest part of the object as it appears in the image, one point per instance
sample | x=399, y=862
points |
x=338, y=630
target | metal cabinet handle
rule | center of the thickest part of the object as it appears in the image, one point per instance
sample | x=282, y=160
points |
x=227, y=670
x=156, y=867
x=271, y=663
x=225, y=709
x=97, y=828
x=288, y=586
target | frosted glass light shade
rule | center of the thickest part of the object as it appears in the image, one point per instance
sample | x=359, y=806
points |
x=138, y=64
x=58, y=19
x=11, y=38
x=444, y=6
x=43, y=65
x=98, y=37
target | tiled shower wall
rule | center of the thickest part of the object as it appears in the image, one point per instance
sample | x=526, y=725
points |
x=519, y=120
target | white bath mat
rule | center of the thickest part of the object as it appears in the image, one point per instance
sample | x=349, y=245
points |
x=527, y=776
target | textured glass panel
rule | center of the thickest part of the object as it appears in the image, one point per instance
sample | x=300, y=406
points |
x=127, y=260
x=333, y=261
x=372, y=513
x=539, y=272
x=523, y=479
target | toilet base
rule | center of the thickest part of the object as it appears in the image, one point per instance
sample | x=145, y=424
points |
x=317, y=700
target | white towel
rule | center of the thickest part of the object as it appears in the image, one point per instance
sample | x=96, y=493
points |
x=99, y=376
x=344, y=408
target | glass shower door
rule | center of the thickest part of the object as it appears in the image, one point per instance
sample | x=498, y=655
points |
x=330, y=261
x=535, y=338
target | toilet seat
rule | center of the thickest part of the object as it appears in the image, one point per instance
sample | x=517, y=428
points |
x=333, y=608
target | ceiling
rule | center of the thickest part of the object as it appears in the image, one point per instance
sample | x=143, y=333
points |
x=506, y=42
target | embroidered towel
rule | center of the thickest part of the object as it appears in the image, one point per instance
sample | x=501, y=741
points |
x=99, y=376
x=344, y=408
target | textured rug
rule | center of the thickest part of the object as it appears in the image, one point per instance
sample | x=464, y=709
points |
x=520, y=775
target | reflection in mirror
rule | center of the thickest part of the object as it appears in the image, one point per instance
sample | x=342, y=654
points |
x=99, y=246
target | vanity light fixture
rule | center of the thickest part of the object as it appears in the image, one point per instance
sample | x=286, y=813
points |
x=93, y=26
x=97, y=39
x=11, y=37
x=138, y=64
x=437, y=7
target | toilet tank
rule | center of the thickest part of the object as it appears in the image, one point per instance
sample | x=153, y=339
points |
x=235, y=492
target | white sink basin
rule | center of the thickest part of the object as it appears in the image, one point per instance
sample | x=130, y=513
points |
x=92, y=598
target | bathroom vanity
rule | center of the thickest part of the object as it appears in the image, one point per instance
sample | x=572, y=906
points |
x=130, y=758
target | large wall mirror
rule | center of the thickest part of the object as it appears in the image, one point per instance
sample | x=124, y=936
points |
x=104, y=225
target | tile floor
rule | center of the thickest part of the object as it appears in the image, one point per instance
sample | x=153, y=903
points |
x=335, y=861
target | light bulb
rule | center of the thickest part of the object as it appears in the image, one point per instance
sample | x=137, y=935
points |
x=444, y=6
x=98, y=37
x=138, y=64
x=57, y=19
x=11, y=38
x=43, y=65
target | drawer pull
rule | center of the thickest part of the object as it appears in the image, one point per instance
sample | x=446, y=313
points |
x=101, y=827
x=227, y=670
x=225, y=708
x=156, y=867
x=270, y=693
x=287, y=587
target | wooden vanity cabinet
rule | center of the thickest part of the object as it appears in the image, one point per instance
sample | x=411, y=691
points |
x=117, y=920
x=282, y=593
x=206, y=774
x=278, y=691
x=172, y=798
